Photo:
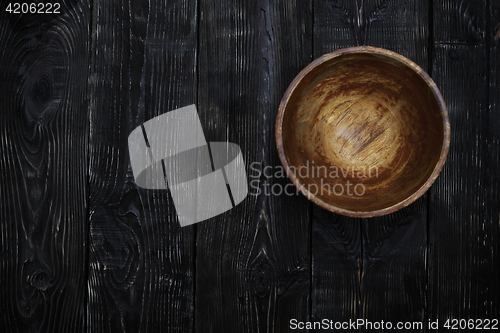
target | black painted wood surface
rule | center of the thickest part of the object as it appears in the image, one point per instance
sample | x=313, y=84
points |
x=379, y=260
x=252, y=263
x=44, y=130
x=464, y=207
x=141, y=263
x=83, y=249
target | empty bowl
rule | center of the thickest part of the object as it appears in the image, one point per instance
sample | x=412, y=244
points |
x=362, y=131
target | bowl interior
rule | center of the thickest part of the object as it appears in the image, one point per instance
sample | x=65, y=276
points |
x=362, y=132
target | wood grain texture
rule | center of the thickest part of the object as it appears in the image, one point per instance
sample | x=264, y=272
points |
x=141, y=262
x=491, y=256
x=337, y=261
x=394, y=278
x=400, y=26
x=84, y=249
x=464, y=207
x=252, y=266
x=336, y=240
x=390, y=260
x=43, y=149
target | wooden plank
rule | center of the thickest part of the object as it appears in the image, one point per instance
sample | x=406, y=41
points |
x=252, y=266
x=43, y=165
x=395, y=245
x=337, y=267
x=336, y=240
x=395, y=25
x=384, y=264
x=394, y=272
x=141, y=261
x=464, y=209
x=492, y=256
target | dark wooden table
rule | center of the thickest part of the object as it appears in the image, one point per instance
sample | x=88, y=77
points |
x=83, y=248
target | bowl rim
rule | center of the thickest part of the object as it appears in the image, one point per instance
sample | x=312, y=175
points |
x=395, y=56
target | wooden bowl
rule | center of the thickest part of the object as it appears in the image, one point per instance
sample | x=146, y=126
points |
x=362, y=131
